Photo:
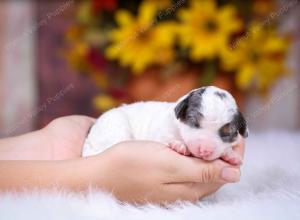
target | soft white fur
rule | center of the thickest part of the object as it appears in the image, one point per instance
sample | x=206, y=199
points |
x=156, y=121
x=269, y=190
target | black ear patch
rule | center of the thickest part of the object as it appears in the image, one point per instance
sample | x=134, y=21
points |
x=188, y=110
x=221, y=95
x=241, y=124
x=181, y=108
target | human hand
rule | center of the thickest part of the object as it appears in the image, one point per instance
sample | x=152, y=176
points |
x=144, y=171
x=66, y=136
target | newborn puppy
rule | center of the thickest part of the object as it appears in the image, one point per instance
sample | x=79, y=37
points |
x=205, y=123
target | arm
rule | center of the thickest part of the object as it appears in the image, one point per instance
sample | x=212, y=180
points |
x=68, y=174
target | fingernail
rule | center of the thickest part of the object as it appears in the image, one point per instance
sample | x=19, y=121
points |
x=230, y=174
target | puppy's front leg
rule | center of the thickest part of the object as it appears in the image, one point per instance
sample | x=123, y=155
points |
x=179, y=147
x=232, y=157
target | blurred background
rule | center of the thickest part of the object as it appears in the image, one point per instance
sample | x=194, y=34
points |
x=84, y=57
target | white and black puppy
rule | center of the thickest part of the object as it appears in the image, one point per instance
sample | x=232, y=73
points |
x=205, y=123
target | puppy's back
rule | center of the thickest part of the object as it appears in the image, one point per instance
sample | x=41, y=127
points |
x=148, y=119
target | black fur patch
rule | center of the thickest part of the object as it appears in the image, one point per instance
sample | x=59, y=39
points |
x=222, y=95
x=188, y=110
x=230, y=131
x=241, y=124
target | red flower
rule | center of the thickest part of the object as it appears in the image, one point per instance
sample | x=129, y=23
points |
x=118, y=93
x=104, y=5
x=96, y=59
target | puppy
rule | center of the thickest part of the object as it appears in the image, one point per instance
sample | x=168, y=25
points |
x=205, y=123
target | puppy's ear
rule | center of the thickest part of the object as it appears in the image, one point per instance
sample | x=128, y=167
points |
x=188, y=110
x=241, y=124
x=181, y=109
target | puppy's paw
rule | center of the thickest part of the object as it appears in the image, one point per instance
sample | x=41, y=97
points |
x=232, y=157
x=179, y=147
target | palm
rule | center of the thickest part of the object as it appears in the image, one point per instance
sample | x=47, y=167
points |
x=67, y=135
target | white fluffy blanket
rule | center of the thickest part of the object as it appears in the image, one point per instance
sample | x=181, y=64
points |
x=269, y=189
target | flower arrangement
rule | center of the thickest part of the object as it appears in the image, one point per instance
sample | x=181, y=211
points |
x=113, y=41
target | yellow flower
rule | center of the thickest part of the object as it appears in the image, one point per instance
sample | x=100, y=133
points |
x=84, y=15
x=258, y=58
x=100, y=78
x=104, y=102
x=73, y=34
x=140, y=42
x=205, y=29
x=76, y=56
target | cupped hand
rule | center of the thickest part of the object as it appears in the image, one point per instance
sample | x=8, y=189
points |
x=140, y=171
x=144, y=171
x=66, y=136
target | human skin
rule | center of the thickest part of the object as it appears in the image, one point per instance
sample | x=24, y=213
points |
x=134, y=171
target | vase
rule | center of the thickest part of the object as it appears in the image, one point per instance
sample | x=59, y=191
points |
x=153, y=85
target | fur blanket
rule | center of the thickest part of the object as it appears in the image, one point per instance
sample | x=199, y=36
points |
x=269, y=189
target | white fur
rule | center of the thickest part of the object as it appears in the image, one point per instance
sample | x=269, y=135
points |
x=269, y=190
x=139, y=121
x=156, y=121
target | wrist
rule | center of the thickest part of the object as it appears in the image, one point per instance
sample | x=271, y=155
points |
x=90, y=172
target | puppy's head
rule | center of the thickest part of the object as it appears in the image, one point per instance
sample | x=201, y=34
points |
x=209, y=122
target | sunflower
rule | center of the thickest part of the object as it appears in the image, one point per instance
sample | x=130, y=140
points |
x=258, y=58
x=205, y=30
x=140, y=41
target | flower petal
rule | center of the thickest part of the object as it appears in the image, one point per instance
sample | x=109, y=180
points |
x=123, y=18
x=147, y=12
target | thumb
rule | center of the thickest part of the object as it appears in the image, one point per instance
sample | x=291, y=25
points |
x=191, y=169
x=218, y=172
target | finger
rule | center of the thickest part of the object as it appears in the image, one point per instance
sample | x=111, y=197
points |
x=206, y=189
x=188, y=169
x=92, y=120
x=233, y=158
x=181, y=192
x=84, y=121
x=85, y=118
x=190, y=191
x=218, y=172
